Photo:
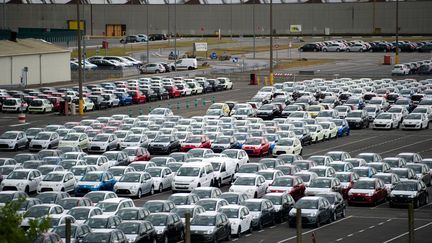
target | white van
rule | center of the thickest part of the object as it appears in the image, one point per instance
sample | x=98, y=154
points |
x=224, y=169
x=185, y=64
x=192, y=175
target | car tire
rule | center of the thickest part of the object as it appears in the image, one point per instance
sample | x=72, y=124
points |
x=228, y=237
x=255, y=195
x=334, y=217
x=343, y=214
x=165, y=239
x=348, y=50
x=238, y=235
x=182, y=236
x=324, y=50
x=219, y=183
x=250, y=229
x=160, y=189
x=157, y=71
x=318, y=223
x=199, y=185
x=416, y=203
x=27, y=190
x=338, y=50
x=152, y=192
x=139, y=194
x=214, y=240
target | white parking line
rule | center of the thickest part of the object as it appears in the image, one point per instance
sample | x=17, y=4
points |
x=260, y=231
x=310, y=231
x=339, y=239
x=423, y=206
x=20, y=124
x=271, y=227
x=401, y=235
x=408, y=145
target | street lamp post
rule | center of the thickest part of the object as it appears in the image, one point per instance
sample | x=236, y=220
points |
x=253, y=27
x=175, y=34
x=148, y=35
x=397, y=33
x=80, y=79
x=271, y=43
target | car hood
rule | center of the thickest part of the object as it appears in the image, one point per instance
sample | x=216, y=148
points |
x=279, y=188
x=411, y=121
x=242, y=188
x=315, y=190
x=158, y=144
x=7, y=140
x=185, y=178
x=126, y=184
x=88, y=183
x=201, y=228
x=382, y=121
x=403, y=193
x=362, y=191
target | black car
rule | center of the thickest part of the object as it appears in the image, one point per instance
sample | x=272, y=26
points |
x=129, y=39
x=425, y=69
x=216, y=85
x=108, y=236
x=263, y=212
x=78, y=231
x=337, y=202
x=381, y=47
x=269, y=112
x=105, y=64
x=161, y=93
x=154, y=37
x=425, y=48
x=304, y=135
x=409, y=191
x=170, y=224
x=314, y=211
x=164, y=144
x=207, y=87
x=282, y=202
x=98, y=102
x=150, y=94
x=358, y=119
x=138, y=231
x=210, y=227
x=310, y=47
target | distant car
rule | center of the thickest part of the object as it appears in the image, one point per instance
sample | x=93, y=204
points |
x=210, y=227
x=400, y=69
x=138, y=231
x=169, y=226
x=13, y=140
x=95, y=181
x=314, y=210
x=134, y=184
x=153, y=68
x=310, y=47
x=263, y=212
x=367, y=191
x=409, y=191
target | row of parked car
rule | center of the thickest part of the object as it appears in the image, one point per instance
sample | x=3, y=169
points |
x=109, y=94
x=383, y=103
x=341, y=45
x=142, y=38
x=106, y=62
x=420, y=67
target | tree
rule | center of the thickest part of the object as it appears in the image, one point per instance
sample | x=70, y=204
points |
x=10, y=221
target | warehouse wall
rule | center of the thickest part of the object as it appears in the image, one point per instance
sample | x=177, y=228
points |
x=42, y=69
x=345, y=18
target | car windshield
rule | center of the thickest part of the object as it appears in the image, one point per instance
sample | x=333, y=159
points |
x=248, y=169
x=306, y=204
x=37, y=212
x=330, y=197
x=416, y=167
x=283, y=181
x=354, y=114
x=18, y=175
x=130, y=151
x=245, y=181
x=320, y=183
x=68, y=203
x=267, y=174
x=216, y=165
x=116, y=171
x=276, y=200
x=384, y=116
x=132, y=138
x=230, y=153
x=362, y=172
x=344, y=177
x=9, y=135
x=154, y=172
x=231, y=198
x=253, y=141
x=97, y=237
x=406, y=186
x=42, y=136
x=5, y=198
x=53, y=177
x=208, y=205
x=33, y=131
x=107, y=206
x=364, y=185
x=97, y=223
x=130, y=177
x=193, y=139
x=130, y=228
x=154, y=207
x=162, y=139
x=61, y=230
x=253, y=206
x=188, y=171
x=387, y=179
x=202, y=220
x=285, y=142
x=401, y=173
x=157, y=219
x=101, y=138
x=91, y=177
x=222, y=140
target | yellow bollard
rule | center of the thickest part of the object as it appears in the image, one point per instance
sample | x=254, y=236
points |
x=81, y=107
x=258, y=80
x=266, y=80
x=271, y=78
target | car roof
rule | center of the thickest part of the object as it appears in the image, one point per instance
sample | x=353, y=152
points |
x=116, y=200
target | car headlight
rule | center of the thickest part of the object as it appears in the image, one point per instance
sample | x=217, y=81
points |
x=255, y=216
x=20, y=184
x=210, y=231
x=369, y=194
x=312, y=214
x=159, y=231
x=134, y=187
x=231, y=190
x=412, y=196
x=95, y=186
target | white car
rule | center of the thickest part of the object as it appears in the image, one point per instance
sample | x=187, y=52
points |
x=44, y=140
x=100, y=161
x=270, y=175
x=122, y=134
x=212, y=204
x=13, y=140
x=40, y=105
x=323, y=185
x=113, y=205
x=14, y=105
x=224, y=169
x=400, y=69
x=335, y=47
x=239, y=217
x=119, y=171
x=61, y=181
x=25, y=180
x=103, y=142
x=184, y=89
x=227, y=83
x=134, y=140
x=82, y=213
x=153, y=68
x=162, y=177
x=192, y=175
x=356, y=47
x=316, y=132
x=134, y=184
x=238, y=154
x=287, y=146
x=253, y=185
x=80, y=140
x=73, y=155
x=330, y=130
x=80, y=170
x=415, y=121
x=40, y=210
x=385, y=121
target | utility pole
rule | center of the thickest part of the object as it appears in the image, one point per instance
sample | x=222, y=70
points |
x=271, y=42
x=80, y=79
x=68, y=231
x=298, y=225
x=410, y=223
x=148, y=35
x=187, y=228
x=175, y=34
x=397, y=33
x=253, y=23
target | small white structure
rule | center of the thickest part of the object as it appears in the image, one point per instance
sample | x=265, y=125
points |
x=45, y=62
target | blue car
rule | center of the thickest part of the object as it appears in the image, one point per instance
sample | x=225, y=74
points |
x=358, y=103
x=273, y=139
x=343, y=127
x=95, y=181
x=124, y=98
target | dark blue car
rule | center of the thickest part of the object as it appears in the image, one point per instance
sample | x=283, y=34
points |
x=343, y=127
x=124, y=98
x=95, y=181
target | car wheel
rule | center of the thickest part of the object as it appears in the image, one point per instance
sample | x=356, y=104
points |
x=318, y=223
x=139, y=195
x=165, y=240
x=27, y=190
x=343, y=214
x=337, y=50
x=219, y=183
x=324, y=50
x=16, y=147
x=255, y=195
x=417, y=203
x=238, y=235
x=260, y=225
x=152, y=192
x=273, y=222
x=250, y=229
x=181, y=235
x=334, y=217
x=348, y=50
x=160, y=190
x=199, y=185
x=214, y=240
x=157, y=71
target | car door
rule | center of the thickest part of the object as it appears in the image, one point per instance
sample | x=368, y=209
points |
x=266, y=213
x=147, y=183
x=247, y=218
x=169, y=177
x=69, y=182
x=55, y=139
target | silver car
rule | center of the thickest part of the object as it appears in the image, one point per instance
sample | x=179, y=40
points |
x=134, y=184
x=13, y=140
x=44, y=140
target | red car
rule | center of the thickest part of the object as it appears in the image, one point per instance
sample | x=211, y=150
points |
x=370, y=191
x=98, y=125
x=293, y=185
x=55, y=101
x=256, y=146
x=137, y=96
x=197, y=141
x=347, y=180
x=137, y=154
x=173, y=91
